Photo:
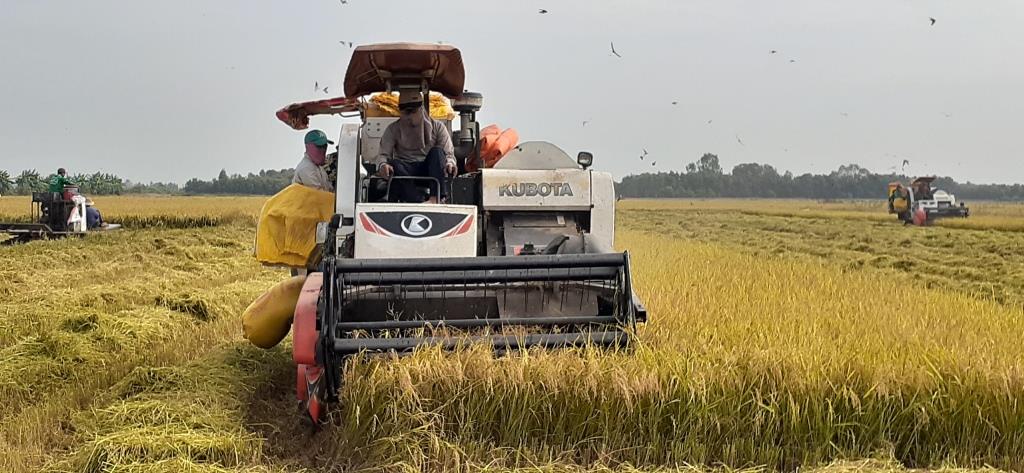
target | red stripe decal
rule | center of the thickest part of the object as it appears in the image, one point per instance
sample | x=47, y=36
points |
x=465, y=227
x=367, y=225
x=461, y=228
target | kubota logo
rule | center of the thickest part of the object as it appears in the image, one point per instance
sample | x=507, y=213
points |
x=416, y=225
x=532, y=189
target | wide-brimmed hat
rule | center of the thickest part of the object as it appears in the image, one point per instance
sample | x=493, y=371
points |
x=410, y=98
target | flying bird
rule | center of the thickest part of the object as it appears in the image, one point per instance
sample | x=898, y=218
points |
x=905, y=163
x=585, y=122
x=932, y=20
x=772, y=51
x=316, y=85
x=654, y=163
x=738, y=140
x=645, y=151
x=844, y=114
x=542, y=11
x=709, y=121
x=614, y=51
x=792, y=61
x=346, y=43
x=325, y=90
x=675, y=102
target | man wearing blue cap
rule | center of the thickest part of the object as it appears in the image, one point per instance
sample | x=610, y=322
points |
x=310, y=171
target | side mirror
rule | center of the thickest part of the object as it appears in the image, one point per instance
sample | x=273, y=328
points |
x=585, y=159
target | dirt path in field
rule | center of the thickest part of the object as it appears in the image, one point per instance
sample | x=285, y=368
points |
x=274, y=414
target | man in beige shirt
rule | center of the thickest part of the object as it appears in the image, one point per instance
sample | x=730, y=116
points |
x=310, y=171
x=416, y=145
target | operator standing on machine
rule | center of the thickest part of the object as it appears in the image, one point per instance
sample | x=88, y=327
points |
x=416, y=145
x=59, y=180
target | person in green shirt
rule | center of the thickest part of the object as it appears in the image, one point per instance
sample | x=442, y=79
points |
x=59, y=180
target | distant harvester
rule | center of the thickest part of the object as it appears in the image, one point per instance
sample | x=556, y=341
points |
x=920, y=205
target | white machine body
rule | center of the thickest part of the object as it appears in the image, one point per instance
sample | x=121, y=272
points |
x=559, y=192
x=530, y=198
x=940, y=200
x=388, y=230
x=528, y=189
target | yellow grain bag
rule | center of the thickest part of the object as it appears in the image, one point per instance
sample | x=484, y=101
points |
x=269, y=318
x=286, y=233
x=386, y=105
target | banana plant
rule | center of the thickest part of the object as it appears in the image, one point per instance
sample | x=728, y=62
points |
x=6, y=183
x=28, y=182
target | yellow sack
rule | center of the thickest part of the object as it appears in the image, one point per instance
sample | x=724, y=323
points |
x=267, y=320
x=286, y=233
x=386, y=105
x=899, y=204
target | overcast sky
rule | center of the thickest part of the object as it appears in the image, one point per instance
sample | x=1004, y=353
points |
x=169, y=90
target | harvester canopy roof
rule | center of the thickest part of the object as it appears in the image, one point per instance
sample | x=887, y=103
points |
x=923, y=179
x=373, y=65
x=370, y=69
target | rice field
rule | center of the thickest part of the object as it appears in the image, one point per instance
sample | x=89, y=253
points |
x=138, y=211
x=987, y=262
x=784, y=335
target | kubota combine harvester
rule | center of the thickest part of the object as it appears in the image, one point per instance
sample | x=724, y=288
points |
x=920, y=205
x=520, y=256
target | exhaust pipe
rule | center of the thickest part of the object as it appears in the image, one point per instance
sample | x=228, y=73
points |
x=469, y=130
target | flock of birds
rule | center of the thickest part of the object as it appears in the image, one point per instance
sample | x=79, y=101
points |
x=739, y=140
x=543, y=11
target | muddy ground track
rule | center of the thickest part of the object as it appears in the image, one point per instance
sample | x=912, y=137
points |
x=274, y=413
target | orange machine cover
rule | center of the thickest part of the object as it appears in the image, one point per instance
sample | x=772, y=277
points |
x=494, y=145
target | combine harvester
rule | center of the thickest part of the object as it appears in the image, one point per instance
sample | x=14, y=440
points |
x=54, y=215
x=520, y=256
x=920, y=205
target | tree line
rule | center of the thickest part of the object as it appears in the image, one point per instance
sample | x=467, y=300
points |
x=266, y=182
x=705, y=178
x=702, y=178
x=30, y=181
